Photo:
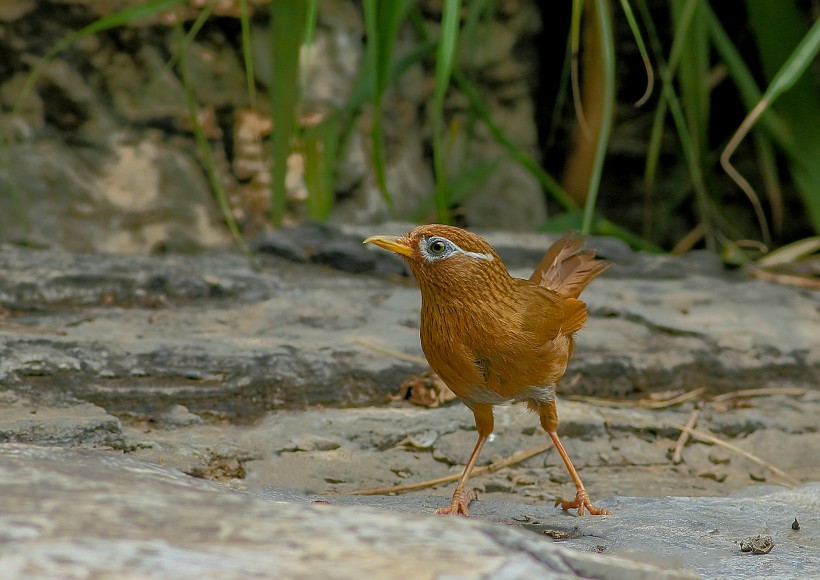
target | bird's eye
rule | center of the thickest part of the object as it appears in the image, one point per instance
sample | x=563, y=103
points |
x=437, y=247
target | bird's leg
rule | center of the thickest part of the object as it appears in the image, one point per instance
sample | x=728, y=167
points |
x=549, y=420
x=461, y=499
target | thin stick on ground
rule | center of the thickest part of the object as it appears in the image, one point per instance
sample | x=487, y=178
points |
x=801, y=281
x=761, y=392
x=643, y=403
x=684, y=435
x=389, y=351
x=712, y=439
x=492, y=467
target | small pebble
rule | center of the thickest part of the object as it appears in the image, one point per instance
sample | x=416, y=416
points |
x=558, y=535
x=757, y=544
x=718, y=457
x=757, y=475
x=715, y=474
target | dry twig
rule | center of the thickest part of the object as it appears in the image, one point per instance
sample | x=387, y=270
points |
x=712, y=439
x=492, y=467
x=762, y=392
x=684, y=435
x=642, y=403
x=389, y=351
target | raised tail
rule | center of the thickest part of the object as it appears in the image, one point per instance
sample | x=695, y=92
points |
x=567, y=267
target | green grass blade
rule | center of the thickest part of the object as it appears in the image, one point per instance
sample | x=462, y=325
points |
x=608, y=46
x=310, y=20
x=481, y=109
x=287, y=33
x=478, y=12
x=560, y=98
x=575, y=81
x=482, y=112
x=371, y=27
x=461, y=187
x=247, y=51
x=311, y=14
x=391, y=15
x=647, y=63
x=801, y=145
x=204, y=147
x=382, y=22
x=320, y=148
x=688, y=124
x=199, y=22
x=668, y=70
x=363, y=89
x=767, y=165
x=747, y=87
x=789, y=73
x=691, y=61
x=445, y=57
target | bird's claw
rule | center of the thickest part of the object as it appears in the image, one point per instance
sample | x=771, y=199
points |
x=458, y=507
x=582, y=502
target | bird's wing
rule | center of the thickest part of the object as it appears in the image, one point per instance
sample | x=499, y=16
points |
x=532, y=350
x=546, y=314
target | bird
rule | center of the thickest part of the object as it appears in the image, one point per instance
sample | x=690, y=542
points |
x=495, y=339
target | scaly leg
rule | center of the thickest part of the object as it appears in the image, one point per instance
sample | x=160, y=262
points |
x=461, y=499
x=549, y=420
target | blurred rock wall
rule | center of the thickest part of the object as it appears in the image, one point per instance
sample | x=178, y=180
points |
x=99, y=152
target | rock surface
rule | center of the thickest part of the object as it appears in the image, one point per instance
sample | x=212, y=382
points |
x=99, y=151
x=703, y=534
x=80, y=514
x=129, y=333
x=277, y=378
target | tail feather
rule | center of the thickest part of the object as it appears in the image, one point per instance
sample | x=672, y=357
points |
x=567, y=267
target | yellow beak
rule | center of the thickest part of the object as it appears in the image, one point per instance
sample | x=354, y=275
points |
x=390, y=243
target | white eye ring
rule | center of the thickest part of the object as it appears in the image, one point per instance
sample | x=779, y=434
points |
x=438, y=248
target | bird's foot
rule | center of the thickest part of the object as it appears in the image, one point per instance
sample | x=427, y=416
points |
x=458, y=507
x=582, y=502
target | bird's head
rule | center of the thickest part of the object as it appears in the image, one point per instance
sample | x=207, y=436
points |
x=447, y=258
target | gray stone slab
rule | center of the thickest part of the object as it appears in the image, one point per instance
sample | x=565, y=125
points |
x=701, y=534
x=80, y=514
x=50, y=421
x=142, y=333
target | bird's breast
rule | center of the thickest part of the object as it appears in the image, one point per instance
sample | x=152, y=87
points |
x=445, y=339
x=485, y=357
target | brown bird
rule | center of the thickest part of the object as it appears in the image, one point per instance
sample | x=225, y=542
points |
x=494, y=339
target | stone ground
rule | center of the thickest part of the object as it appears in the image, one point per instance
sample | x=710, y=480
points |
x=618, y=451
x=276, y=381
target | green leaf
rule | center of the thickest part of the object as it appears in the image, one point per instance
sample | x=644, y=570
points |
x=445, y=57
x=605, y=30
x=466, y=182
x=204, y=147
x=287, y=33
x=247, y=51
x=382, y=23
x=807, y=144
x=320, y=145
x=636, y=34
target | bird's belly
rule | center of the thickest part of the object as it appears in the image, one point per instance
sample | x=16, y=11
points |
x=491, y=380
x=484, y=394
